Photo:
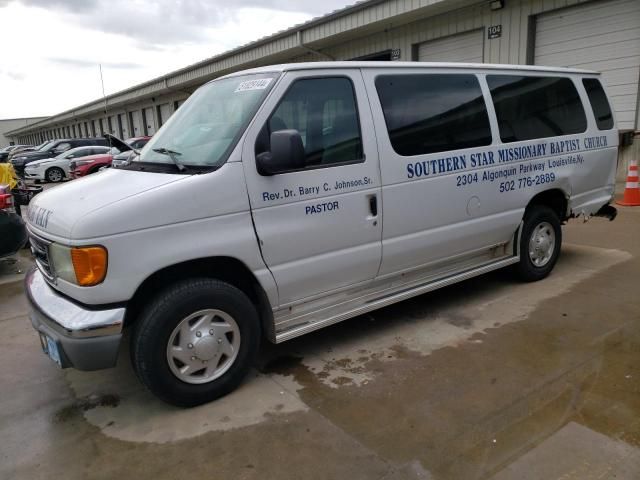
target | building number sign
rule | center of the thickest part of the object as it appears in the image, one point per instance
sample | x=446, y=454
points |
x=494, y=31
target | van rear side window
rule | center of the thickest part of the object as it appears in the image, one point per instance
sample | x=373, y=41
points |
x=433, y=112
x=599, y=103
x=536, y=107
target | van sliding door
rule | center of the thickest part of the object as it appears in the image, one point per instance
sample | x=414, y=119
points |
x=435, y=143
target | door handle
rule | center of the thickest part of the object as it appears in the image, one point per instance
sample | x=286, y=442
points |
x=373, y=205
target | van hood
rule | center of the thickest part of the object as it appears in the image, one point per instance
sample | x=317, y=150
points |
x=56, y=211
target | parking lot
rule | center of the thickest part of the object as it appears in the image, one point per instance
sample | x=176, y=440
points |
x=485, y=379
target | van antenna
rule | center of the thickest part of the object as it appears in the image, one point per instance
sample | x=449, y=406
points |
x=103, y=94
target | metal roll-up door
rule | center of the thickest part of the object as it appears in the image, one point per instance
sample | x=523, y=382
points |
x=463, y=47
x=125, y=126
x=165, y=113
x=150, y=122
x=113, y=125
x=602, y=36
x=136, y=123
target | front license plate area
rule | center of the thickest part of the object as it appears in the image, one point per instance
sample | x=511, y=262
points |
x=50, y=348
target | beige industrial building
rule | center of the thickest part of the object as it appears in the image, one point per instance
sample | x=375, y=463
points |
x=602, y=35
x=9, y=124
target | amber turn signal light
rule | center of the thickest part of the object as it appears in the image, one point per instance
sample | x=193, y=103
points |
x=89, y=264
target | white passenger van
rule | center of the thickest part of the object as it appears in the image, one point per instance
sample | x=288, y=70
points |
x=283, y=199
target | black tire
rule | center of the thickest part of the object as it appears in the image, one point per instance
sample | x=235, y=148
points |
x=155, y=325
x=54, y=175
x=535, y=217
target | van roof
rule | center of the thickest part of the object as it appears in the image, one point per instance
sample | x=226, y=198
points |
x=395, y=65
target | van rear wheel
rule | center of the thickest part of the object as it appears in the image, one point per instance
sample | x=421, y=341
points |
x=195, y=342
x=539, y=243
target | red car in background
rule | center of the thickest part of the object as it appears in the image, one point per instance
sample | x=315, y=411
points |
x=92, y=163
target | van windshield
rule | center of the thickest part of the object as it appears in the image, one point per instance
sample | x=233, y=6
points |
x=206, y=128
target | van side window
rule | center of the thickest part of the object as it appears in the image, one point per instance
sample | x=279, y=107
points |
x=324, y=112
x=433, y=112
x=536, y=107
x=599, y=103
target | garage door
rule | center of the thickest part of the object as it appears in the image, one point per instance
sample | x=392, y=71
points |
x=603, y=36
x=136, y=124
x=112, y=123
x=165, y=113
x=148, y=117
x=463, y=47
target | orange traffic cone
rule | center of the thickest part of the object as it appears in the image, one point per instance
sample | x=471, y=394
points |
x=631, y=196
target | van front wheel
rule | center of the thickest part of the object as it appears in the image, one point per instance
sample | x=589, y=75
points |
x=539, y=243
x=195, y=342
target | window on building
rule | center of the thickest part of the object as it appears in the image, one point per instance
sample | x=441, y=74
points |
x=599, y=103
x=536, y=107
x=324, y=112
x=429, y=113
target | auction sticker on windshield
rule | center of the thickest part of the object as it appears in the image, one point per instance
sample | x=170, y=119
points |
x=258, y=84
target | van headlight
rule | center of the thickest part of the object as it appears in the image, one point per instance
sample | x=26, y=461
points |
x=84, y=266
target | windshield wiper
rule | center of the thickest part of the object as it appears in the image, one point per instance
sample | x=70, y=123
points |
x=172, y=154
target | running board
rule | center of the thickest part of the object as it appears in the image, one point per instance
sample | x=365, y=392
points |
x=394, y=298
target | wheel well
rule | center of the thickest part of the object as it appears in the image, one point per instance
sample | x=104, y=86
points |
x=554, y=199
x=226, y=269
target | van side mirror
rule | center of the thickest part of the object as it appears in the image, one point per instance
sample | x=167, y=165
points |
x=287, y=153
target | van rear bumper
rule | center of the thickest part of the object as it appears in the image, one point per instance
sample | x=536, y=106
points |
x=86, y=339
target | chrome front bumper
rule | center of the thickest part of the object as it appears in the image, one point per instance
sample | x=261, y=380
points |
x=87, y=339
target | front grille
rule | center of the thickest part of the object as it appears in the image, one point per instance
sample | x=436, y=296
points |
x=40, y=250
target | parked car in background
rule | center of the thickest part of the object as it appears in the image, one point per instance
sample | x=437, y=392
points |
x=121, y=148
x=92, y=163
x=53, y=149
x=123, y=158
x=24, y=149
x=137, y=142
x=57, y=169
x=6, y=151
x=13, y=233
x=20, y=149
